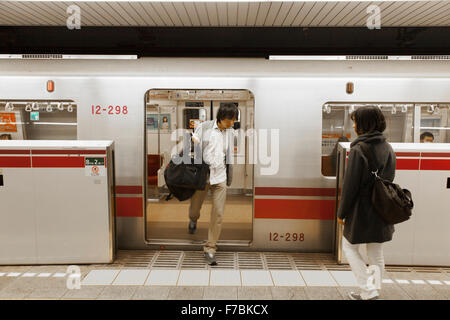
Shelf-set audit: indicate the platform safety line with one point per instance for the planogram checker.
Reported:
(32, 274)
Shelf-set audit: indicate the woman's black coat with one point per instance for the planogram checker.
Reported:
(362, 223)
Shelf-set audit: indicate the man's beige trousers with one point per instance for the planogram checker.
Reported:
(219, 193)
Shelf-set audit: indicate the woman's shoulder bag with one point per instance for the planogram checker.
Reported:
(392, 203)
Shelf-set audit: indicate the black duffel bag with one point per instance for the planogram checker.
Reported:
(183, 179)
(392, 203)
(186, 175)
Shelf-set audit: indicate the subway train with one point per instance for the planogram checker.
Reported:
(291, 115)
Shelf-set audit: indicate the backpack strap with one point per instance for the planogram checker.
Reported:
(369, 154)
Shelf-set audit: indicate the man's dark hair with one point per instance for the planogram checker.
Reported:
(227, 110)
(368, 119)
(426, 134)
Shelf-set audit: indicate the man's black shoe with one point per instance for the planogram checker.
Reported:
(211, 259)
(192, 227)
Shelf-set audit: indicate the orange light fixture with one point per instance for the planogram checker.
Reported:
(50, 86)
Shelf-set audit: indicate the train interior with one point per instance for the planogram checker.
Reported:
(405, 122)
(168, 111)
(38, 120)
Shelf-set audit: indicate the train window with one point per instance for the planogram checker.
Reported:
(435, 123)
(337, 126)
(38, 120)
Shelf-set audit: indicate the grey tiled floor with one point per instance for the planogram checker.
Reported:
(220, 293)
(151, 293)
(388, 292)
(186, 293)
(35, 287)
(288, 293)
(323, 293)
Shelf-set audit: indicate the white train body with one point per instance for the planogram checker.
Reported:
(288, 95)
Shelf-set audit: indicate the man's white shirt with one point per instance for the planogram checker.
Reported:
(215, 152)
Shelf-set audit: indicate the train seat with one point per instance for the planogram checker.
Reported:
(153, 165)
(327, 168)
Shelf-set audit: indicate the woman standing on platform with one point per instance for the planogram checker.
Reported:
(362, 225)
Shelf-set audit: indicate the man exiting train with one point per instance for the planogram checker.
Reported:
(214, 137)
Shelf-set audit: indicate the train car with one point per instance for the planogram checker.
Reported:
(291, 115)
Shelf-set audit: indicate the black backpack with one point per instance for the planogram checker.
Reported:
(392, 203)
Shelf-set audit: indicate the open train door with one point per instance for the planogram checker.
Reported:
(169, 115)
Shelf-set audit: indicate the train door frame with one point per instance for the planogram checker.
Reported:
(162, 243)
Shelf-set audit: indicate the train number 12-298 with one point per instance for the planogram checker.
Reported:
(274, 236)
(111, 110)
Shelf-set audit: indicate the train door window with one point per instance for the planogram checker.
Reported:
(184, 110)
(337, 126)
(38, 120)
(435, 123)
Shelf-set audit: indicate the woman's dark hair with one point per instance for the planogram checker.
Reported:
(368, 119)
(227, 110)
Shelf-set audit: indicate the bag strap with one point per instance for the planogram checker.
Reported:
(369, 154)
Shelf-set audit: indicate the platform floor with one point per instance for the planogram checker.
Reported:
(183, 275)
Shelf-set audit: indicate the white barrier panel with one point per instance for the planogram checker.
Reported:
(57, 202)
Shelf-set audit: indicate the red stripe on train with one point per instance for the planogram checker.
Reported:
(407, 164)
(436, 155)
(294, 209)
(68, 151)
(313, 192)
(129, 207)
(129, 189)
(58, 162)
(14, 151)
(435, 164)
(407, 154)
(15, 162)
